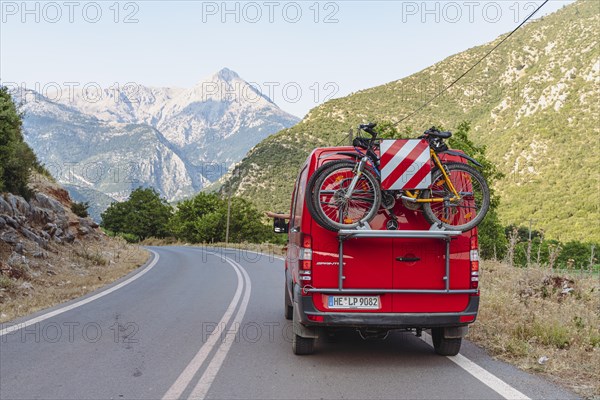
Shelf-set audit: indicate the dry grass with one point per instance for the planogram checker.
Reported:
(152, 241)
(65, 272)
(527, 314)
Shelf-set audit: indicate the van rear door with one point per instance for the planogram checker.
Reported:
(421, 264)
(367, 265)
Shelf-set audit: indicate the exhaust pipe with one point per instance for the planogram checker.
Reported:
(373, 334)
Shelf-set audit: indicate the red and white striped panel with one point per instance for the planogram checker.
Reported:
(404, 164)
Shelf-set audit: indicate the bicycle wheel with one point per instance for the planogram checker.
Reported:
(463, 214)
(332, 210)
(310, 197)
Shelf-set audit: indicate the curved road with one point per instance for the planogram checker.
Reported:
(208, 323)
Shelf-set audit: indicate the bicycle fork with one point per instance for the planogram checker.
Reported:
(357, 175)
(442, 168)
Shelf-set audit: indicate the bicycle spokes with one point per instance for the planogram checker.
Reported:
(336, 206)
(453, 210)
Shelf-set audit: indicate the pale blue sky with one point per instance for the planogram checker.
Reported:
(365, 43)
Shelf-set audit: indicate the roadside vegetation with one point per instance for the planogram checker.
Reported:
(17, 160)
(542, 320)
(201, 219)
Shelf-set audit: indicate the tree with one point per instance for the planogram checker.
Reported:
(492, 241)
(246, 222)
(145, 214)
(190, 223)
(203, 219)
(16, 157)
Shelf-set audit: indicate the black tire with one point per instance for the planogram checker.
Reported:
(461, 218)
(443, 346)
(288, 307)
(303, 346)
(369, 203)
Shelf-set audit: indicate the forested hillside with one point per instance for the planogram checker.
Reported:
(533, 103)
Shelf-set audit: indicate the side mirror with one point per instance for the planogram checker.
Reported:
(280, 225)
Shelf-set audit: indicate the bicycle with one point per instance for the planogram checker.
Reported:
(347, 193)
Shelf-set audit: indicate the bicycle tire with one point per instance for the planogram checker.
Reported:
(309, 197)
(369, 197)
(462, 176)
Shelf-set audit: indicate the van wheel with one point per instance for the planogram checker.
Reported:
(288, 308)
(303, 346)
(443, 346)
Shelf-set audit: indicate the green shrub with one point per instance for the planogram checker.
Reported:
(16, 157)
(80, 209)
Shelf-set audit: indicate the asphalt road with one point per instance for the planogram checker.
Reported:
(148, 336)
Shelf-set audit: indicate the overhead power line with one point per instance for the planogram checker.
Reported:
(472, 67)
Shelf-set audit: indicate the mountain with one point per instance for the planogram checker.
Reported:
(533, 102)
(101, 144)
(100, 161)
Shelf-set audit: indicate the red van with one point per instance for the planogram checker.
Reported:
(375, 280)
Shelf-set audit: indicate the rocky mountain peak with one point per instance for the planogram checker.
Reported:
(227, 75)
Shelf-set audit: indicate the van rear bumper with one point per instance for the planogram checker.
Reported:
(386, 320)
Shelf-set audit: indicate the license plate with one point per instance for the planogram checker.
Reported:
(354, 302)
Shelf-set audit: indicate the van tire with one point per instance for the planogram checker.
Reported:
(303, 346)
(444, 346)
(288, 307)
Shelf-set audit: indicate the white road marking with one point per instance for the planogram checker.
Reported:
(176, 390)
(486, 377)
(80, 303)
(205, 382)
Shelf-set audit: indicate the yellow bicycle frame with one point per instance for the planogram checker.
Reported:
(438, 163)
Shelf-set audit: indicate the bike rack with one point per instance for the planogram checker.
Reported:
(346, 234)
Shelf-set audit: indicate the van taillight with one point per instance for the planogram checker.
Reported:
(474, 258)
(305, 261)
(306, 241)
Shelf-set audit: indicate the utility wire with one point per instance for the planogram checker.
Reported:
(472, 67)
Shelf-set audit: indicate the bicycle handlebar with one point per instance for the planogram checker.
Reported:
(431, 132)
